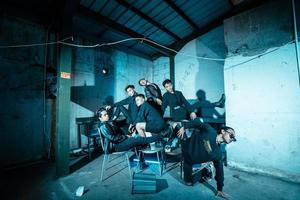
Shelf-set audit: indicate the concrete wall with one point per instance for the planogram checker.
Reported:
(21, 86)
(263, 93)
(92, 89)
(22, 95)
(192, 74)
(161, 71)
(129, 69)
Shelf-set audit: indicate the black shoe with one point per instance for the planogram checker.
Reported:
(221, 102)
(168, 132)
(142, 166)
(188, 183)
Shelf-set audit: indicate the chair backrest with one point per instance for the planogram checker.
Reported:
(105, 144)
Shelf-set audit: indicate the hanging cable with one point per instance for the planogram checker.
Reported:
(142, 40)
(296, 39)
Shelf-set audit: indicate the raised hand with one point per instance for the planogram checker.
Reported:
(222, 195)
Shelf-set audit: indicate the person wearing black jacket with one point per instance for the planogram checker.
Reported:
(203, 145)
(113, 134)
(152, 93)
(131, 112)
(148, 119)
(180, 108)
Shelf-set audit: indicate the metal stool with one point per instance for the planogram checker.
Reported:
(157, 149)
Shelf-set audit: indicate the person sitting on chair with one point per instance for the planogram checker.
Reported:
(202, 146)
(152, 93)
(131, 112)
(114, 135)
(148, 119)
(179, 106)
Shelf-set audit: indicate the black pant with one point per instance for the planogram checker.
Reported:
(218, 164)
(156, 106)
(126, 113)
(136, 141)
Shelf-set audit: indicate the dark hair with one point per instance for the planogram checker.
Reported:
(141, 80)
(227, 128)
(167, 81)
(129, 86)
(99, 111)
(140, 95)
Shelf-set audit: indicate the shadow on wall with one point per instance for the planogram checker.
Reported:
(102, 91)
(210, 75)
(206, 108)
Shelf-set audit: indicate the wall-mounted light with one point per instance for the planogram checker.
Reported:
(104, 71)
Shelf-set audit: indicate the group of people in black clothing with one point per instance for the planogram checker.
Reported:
(199, 141)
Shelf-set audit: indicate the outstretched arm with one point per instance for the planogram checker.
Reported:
(197, 123)
(187, 105)
(165, 104)
(185, 102)
(106, 132)
(122, 102)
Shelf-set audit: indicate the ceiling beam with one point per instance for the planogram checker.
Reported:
(182, 14)
(93, 38)
(102, 20)
(242, 7)
(147, 18)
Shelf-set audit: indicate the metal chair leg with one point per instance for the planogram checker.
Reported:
(128, 163)
(103, 166)
(138, 156)
(164, 158)
(159, 162)
(181, 163)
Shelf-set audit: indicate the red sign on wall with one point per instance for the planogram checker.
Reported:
(65, 75)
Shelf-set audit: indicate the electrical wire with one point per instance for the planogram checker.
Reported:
(35, 44)
(141, 40)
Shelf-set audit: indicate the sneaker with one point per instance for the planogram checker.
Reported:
(142, 166)
(189, 183)
(221, 102)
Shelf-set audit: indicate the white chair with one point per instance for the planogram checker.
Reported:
(154, 149)
(106, 147)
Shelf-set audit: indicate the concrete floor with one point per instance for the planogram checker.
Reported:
(39, 182)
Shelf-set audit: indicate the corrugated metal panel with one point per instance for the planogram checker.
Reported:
(180, 28)
(150, 30)
(98, 4)
(109, 8)
(117, 12)
(210, 18)
(151, 6)
(138, 4)
(142, 26)
(125, 17)
(86, 3)
(201, 12)
(114, 36)
(161, 38)
(133, 21)
(140, 47)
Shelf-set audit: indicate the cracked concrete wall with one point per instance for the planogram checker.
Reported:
(193, 75)
(263, 92)
(92, 89)
(22, 94)
(21, 86)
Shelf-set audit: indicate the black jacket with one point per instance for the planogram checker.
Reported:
(132, 107)
(202, 147)
(174, 100)
(111, 133)
(152, 91)
(148, 114)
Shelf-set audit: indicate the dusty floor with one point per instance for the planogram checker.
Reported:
(39, 182)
